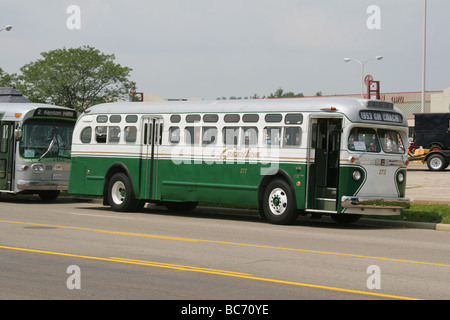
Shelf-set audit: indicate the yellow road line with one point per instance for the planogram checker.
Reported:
(103, 231)
(210, 271)
(177, 266)
(230, 243)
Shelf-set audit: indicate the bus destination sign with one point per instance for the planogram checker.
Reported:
(381, 116)
(60, 113)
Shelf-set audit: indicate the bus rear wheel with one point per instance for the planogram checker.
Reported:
(279, 203)
(120, 194)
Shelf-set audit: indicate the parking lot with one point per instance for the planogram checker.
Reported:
(425, 186)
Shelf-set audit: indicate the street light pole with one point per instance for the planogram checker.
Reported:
(362, 63)
(424, 61)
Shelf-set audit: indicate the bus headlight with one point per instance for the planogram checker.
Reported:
(38, 167)
(400, 177)
(356, 175)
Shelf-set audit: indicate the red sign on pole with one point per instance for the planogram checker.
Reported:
(368, 80)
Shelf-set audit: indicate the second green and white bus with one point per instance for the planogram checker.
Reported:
(35, 148)
(342, 157)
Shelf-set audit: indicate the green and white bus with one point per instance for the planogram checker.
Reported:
(35, 148)
(324, 156)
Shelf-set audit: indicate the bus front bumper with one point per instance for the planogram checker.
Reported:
(42, 185)
(375, 202)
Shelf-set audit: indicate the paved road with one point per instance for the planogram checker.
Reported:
(156, 255)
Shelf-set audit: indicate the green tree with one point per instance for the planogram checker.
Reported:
(76, 78)
(279, 93)
(7, 80)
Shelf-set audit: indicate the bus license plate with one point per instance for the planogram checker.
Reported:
(57, 176)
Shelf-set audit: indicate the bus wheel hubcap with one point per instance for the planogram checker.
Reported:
(118, 192)
(277, 201)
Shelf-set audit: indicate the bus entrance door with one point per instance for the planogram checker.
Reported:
(323, 164)
(6, 155)
(151, 141)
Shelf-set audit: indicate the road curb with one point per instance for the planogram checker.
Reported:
(400, 223)
(442, 227)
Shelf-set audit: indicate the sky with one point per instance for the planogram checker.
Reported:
(224, 48)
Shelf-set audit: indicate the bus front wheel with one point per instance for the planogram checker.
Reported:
(120, 193)
(279, 203)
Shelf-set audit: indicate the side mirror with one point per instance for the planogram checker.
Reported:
(18, 133)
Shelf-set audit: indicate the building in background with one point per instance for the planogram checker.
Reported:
(12, 95)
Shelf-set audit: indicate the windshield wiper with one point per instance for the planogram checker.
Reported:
(49, 148)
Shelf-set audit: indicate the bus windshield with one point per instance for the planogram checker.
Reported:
(371, 140)
(46, 138)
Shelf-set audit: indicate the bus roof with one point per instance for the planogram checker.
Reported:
(19, 111)
(351, 107)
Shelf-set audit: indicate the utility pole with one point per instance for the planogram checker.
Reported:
(424, 55)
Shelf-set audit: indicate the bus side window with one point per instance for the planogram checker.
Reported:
(115, 118)
(175, 118)
(250, 136)
(210, 118)
(114, 134)
(102, 119)
(192, 135)
(193, 118)
(100, 134)
(130, 134)
(131, 118)
(292, 136)
(293, 118)
(230, 136)
(174, 135)
(252, 117)
(272, 136)
(86, 135)
(231, 118)
(209, 136)
(273, 117)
